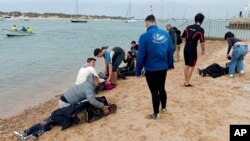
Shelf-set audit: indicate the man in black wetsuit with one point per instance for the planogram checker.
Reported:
(192, 34)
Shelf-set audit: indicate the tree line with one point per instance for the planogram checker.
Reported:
(58, 15)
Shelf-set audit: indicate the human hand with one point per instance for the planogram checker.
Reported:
(106, 110)
(108, 81)
(227, 55)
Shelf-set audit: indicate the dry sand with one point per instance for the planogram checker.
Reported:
(201, 113)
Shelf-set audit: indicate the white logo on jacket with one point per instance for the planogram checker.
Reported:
(159, 38)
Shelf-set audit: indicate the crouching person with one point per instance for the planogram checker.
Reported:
(85, 90)
(82, 112)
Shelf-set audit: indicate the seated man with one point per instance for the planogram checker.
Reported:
(85, 90)
(129, 69)
(85, 70)
(74, 114)
(23, 29)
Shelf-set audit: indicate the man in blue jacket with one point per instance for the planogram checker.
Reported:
(155, 55)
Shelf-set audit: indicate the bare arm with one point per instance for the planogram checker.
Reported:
(110, 71)
(203, 48)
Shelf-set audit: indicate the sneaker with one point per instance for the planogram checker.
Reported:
(231, 75)
(163, 110)
(153, 116)
(242, 72)
(21, 136)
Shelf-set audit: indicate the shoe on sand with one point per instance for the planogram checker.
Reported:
(153, 116)
(163, 110)
(231, 76)
(242, 72)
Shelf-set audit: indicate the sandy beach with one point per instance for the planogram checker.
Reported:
(201, 113)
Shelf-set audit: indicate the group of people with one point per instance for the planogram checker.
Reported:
(154, 56)
(24, 29)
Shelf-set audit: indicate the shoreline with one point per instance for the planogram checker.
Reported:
(206, 110)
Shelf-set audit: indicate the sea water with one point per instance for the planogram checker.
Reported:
(34, 69)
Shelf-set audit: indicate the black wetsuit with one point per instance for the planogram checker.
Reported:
(192, 33)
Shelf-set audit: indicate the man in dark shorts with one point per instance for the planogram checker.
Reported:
(192, 34)
(113, 58)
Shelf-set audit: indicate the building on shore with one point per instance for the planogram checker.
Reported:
(241, 22)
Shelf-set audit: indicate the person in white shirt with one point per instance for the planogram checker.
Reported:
(85, 70)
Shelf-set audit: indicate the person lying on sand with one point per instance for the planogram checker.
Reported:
(82, 112)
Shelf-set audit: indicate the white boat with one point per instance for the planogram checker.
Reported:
(129, 18)
(131, 21)
(27, 18)
(76, 18)
(16, 33)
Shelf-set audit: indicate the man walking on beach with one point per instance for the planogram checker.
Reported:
(172, 33)
(155, 54)
(192, 34)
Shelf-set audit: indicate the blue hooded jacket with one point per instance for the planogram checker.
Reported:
(155, 50)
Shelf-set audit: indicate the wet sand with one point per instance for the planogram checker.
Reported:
(201, 113)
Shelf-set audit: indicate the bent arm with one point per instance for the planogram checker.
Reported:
(91, 98)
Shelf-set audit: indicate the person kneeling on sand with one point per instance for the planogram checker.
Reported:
(129, 69)
(239, 51)
(82, 112)
(85, 90)
(85, 70)
(113, 58)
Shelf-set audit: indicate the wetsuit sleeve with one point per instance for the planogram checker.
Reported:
(108, 57)
(184, 34)
(202, 38)
(230, 45)
(170, 53)
(140, 56)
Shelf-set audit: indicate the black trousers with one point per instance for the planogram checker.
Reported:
(156, 83)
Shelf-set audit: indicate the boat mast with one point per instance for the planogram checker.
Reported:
(76, 9)
(129, 10)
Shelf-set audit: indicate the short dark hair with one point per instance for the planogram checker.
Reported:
(199, 18)
(228, 35)
(133, 42)
(90, 59)
(97, 51)
(150, 18)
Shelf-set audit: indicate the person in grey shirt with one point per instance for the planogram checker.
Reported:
(83, 91)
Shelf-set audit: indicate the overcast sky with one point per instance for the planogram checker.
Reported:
(140, 8)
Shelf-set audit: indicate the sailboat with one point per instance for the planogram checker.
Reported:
(76, 18)
(129, 18)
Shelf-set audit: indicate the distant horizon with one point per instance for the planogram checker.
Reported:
(162, 9)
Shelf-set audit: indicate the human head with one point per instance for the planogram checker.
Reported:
(228, 35)
(168, 26)
(91, 62)
(129, 54)
(199, 18)
(133, 43)
(99, 52)
(150, 20)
